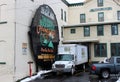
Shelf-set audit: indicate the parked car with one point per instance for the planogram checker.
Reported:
(105, 69)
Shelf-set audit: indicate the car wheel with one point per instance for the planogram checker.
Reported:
(105, 74)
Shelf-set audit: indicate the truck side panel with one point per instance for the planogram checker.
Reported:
(81, 55)
(66, 49)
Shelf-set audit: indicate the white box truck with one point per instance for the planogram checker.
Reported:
(69, 56)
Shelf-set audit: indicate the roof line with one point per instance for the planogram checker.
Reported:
(91, 24)
(65, 2)
(73, 4)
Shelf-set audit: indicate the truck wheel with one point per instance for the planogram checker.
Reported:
(72, 71)
(105, 74)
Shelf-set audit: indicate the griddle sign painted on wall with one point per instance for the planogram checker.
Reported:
(44, 35)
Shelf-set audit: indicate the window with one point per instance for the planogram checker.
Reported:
(87, 31)
(73, 31)
(61, 14)
(100, 3)
(115, 49)
(118, 14)
(65, 16)
(3, 12)
(118, 60)
(82, 18)
(100, 30)
(114, 29)
(62, 32)
(100, 50)
(100, 16)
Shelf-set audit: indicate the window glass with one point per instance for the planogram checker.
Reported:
(87, 31)
(100, 3)
(118, 60)
(72, 31)
(100, 30)
(62, 14)
(65, 16)
(114, 29)
(115, 49)
(100, 16)
(82, 18)
(111, 60)
(100, 50)
(118, 14)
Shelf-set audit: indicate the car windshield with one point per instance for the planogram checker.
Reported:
(65, 57)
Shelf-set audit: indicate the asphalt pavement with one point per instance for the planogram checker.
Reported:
(78, 77)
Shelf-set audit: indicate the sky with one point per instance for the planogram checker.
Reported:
(75, 1)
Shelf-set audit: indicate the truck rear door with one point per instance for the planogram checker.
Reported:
(117, 65)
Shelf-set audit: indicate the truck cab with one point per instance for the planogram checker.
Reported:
(64, 63)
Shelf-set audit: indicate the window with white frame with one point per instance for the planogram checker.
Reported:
(3, 12)
(82, 18)
(86, 31)
(114, 29)
(65, 16)
(61, 14)
(101, 16)
(118, 15)
(100, 3)
(100, 50)
(72, 31)
(100, 30)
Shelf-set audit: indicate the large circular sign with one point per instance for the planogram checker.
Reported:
(44, 36)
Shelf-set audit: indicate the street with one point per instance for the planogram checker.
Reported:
(78, 77)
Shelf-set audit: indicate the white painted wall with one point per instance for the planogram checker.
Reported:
(17, 15)
(25, 11)
(7, 15)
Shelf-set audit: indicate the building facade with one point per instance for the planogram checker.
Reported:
(96, 24)
(15, 20)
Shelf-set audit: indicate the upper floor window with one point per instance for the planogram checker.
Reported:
(3, 13)
(65, 16)
(100, 30)
(114, 29)
(100, 3)
(86, 31)
(82, 18)
(62, 33)
(61, 14)
(101, 16)
(72, 31)
(118, 15)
